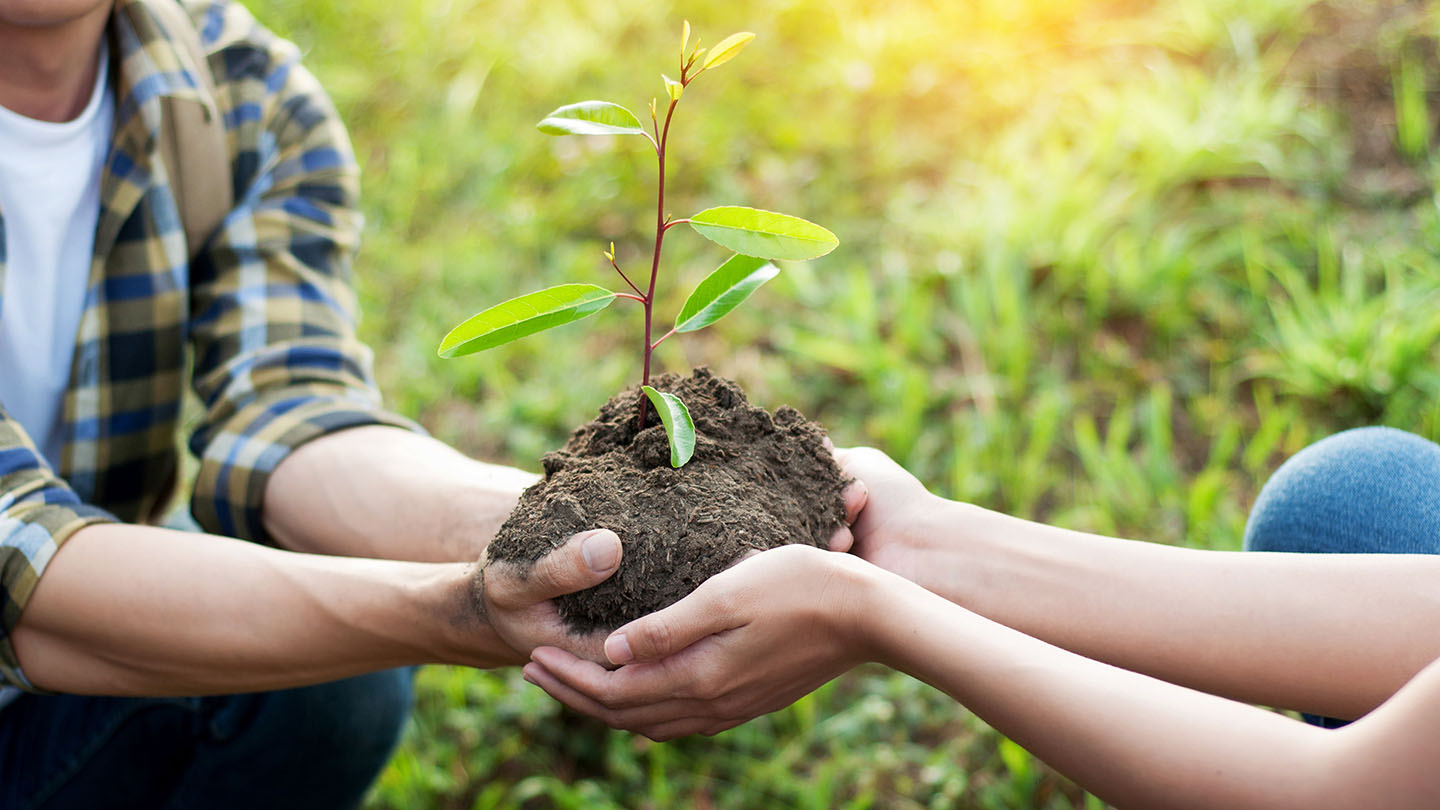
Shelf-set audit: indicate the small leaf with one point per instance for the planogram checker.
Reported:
(591, 118)
(723, 290)
(679, 429)
(674, 88)
(763, 234)
(684, 38)
(699, 52)
(727, 49)
(526, 315)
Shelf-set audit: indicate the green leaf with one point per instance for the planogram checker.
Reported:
(723, 290)
(764, 234)
(684, 38)
(591, 118)
(526, 315)
(674, 88)
(727, 49)
(679, 429)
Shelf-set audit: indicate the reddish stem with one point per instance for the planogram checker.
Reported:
(631, 297)
(627, 278)
(660, 225)
(661, 339)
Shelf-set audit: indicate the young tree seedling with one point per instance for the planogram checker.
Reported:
(756, 237)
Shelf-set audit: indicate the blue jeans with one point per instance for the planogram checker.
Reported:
(1369, 490)
(313, 748)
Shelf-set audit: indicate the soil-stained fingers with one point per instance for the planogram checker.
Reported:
(585, 560)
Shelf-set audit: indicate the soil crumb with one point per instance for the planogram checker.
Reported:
(756, 481)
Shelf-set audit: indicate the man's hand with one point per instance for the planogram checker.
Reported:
(748, 641)
(518, 604)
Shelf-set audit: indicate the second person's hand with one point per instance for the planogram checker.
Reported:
(899, 526)
(749, 641)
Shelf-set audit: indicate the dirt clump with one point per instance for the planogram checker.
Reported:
(756, 481)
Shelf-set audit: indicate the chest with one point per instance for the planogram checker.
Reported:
(108, 332)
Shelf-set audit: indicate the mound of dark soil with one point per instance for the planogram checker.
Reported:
(756, 481)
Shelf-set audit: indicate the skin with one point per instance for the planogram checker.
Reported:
(187, 614)
(50, 55)
(1122, 664)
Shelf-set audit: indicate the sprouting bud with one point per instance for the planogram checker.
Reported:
(610, 254)
(673, 88)
(684, 38)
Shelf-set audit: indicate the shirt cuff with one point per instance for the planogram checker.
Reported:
(35, 520)
(238, 461)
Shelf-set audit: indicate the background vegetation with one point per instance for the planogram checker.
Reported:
(1104, 263)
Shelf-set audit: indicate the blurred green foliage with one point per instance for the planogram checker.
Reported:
(1103, 263)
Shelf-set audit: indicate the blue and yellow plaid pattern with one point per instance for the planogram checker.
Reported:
(261, 323)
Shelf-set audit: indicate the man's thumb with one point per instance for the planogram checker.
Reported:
(585, 560)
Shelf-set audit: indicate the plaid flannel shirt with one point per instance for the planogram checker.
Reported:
(261, 322)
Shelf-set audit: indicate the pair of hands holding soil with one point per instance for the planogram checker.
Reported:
(749, 641)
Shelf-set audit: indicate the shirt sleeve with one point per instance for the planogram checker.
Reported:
(38, 513)
(277, 360)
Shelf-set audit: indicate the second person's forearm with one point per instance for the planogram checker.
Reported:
(1327, 634)
(1133, 740)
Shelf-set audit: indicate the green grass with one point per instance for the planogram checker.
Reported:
(1102, 263)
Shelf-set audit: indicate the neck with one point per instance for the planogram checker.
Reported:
(48, 65)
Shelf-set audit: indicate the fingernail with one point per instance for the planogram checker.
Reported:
(525, 673)
(617, 649)
(601, 550)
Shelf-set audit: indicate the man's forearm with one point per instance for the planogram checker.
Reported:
(1327, 634)
(135, 610)
(385, 492)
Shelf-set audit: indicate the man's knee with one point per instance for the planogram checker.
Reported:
(1366, 490)
(313, 748)
(357, 720)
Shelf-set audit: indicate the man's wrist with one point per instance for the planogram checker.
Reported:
(464, 634)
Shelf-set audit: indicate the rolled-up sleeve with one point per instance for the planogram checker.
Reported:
(38, 513)
(277, 360)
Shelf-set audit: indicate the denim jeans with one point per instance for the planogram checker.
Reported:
(1369, 490)
(312, 748)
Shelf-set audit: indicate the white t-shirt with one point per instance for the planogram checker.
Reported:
(50, 202)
